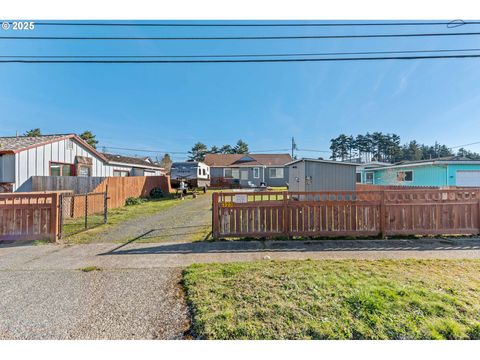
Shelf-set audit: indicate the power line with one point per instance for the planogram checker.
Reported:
(233, 55)
(296, 37)
(458, 56)
(459, 146)
(180, 152)
(450, 24)
(313, 150)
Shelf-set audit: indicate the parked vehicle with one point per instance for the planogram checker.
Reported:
(196, 175)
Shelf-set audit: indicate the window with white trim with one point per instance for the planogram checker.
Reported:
(405, 175)
(256, 173)
(275, 173)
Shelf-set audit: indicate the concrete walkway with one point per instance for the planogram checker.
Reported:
(174, 254)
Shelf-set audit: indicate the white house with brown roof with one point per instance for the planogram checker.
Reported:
(248, 170)
(22, 157)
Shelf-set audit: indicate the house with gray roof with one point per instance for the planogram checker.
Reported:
(22, 157)
(248, 170)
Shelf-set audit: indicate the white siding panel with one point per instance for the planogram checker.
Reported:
(61, 151)
(31, 162)
(40, 166)
(54, 153)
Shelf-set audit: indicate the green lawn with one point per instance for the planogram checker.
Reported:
(115, 217)
(346, 299)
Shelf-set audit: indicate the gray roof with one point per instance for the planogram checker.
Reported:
(323, 161)
(130, 160)
(235, 160)
(16, 143)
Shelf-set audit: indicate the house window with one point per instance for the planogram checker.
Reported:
(275, 173)
(369, 177)
(83, 171)
(359, 178)
(230, 173)
(120, 173)
(256, 173)
(405, 175)
(60, 169)
(204, 171)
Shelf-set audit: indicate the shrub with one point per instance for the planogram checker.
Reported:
(156, 193)
(134, 201)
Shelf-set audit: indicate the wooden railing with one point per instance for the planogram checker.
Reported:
(29, 216)
(343, 213)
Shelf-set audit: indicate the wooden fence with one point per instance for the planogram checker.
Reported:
(343, 213)
(120, 188)
(29, 216)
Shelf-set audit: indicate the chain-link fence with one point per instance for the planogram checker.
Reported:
(79, 212)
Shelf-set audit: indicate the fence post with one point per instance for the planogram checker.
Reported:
(382, 215)
(54, 223)
(60, 226)
(478, 211)
(105, 205)
(86, 211)
(215, 225)
(286, 218)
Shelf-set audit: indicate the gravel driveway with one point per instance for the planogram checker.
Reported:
(186, 221)
(107, 304)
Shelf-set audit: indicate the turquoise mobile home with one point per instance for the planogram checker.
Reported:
(452, 171)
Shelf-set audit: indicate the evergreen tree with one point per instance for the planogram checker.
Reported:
(214, 150)
(198, 151)
(89, 138)
(33, 133)
(241, 147)
(227, 149)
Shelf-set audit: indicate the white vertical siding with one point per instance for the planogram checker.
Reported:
(36, 161)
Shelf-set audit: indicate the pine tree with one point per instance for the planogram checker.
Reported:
(33, 133)
(198, 151)
(89, 138)
(241, 147)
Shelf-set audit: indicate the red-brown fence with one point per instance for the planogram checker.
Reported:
(343, 213)
(29, 216)
(121, 188)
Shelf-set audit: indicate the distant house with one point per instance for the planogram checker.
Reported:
(364, 175)
(448, 171)
(133, 166)
(22, 157)
(248, 170)
(321, 175)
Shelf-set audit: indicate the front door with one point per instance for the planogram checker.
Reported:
(244, 177)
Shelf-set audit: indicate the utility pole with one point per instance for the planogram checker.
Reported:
(294, 147)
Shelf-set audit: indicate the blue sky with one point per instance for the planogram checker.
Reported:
(171, 106)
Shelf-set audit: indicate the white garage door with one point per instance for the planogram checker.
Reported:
(468, 178)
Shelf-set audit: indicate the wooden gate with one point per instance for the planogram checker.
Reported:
(29, 216)
(343, 213)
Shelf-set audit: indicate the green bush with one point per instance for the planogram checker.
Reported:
(134, 201)
(156, 193)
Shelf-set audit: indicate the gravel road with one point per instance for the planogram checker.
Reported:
(107, 304)
(184, 222)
